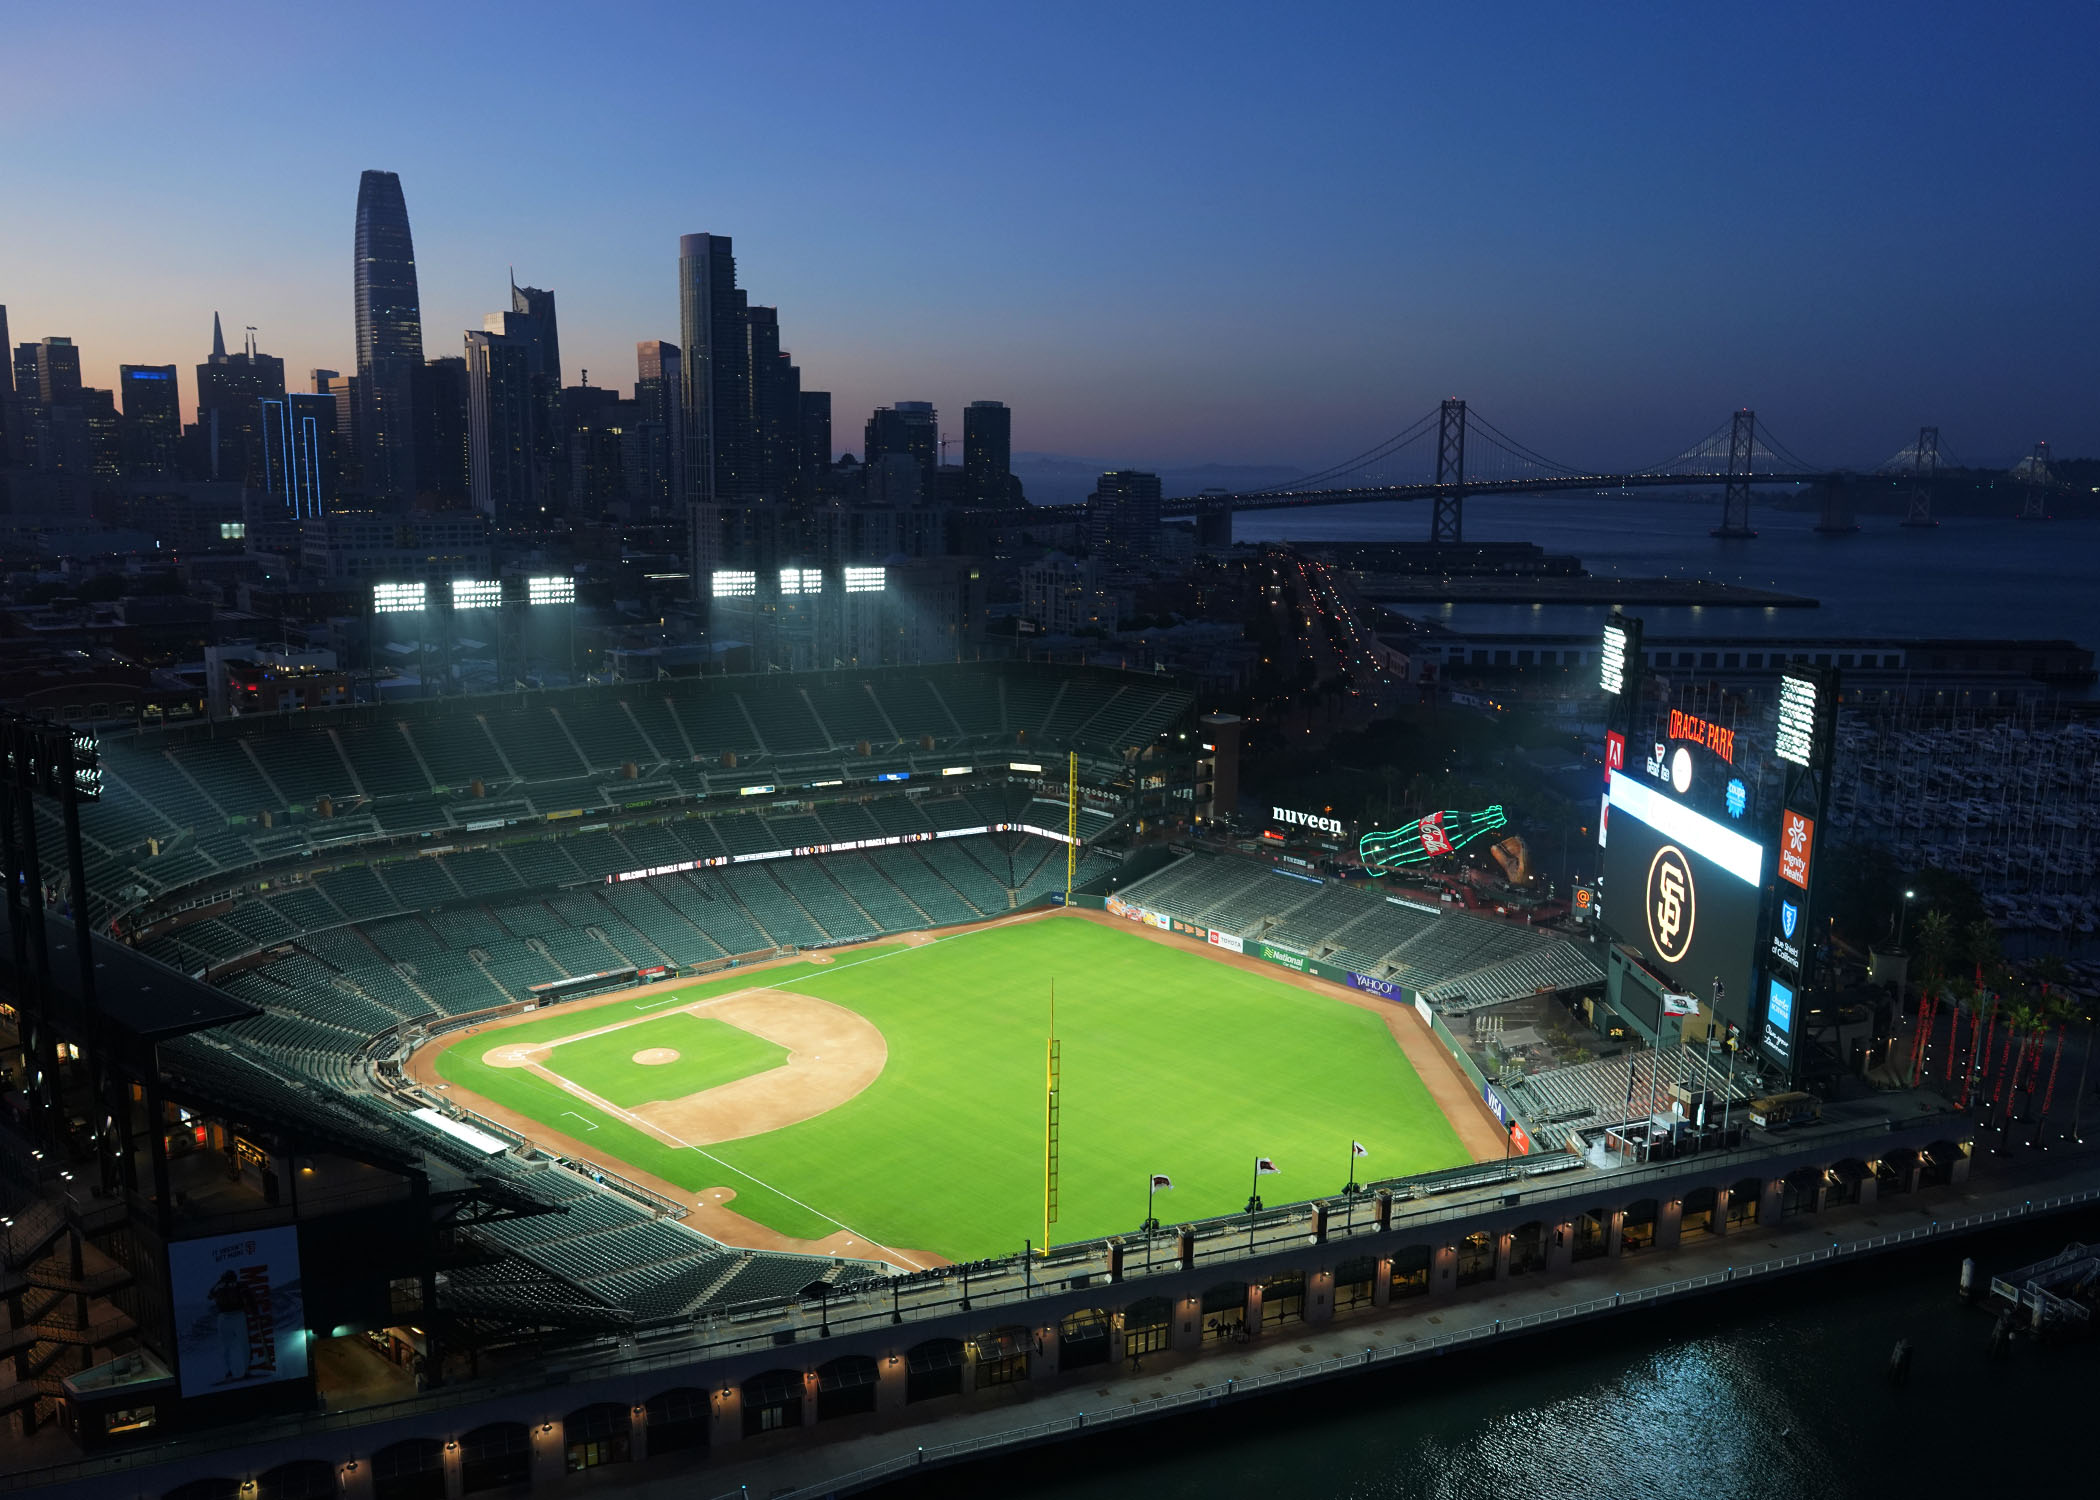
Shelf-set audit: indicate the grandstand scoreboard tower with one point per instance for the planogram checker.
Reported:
(1804, 740)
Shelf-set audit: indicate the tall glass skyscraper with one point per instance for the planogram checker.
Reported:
(717, 371)
(389, 337)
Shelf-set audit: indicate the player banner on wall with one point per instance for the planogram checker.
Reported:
(239, 1310)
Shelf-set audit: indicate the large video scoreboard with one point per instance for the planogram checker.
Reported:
(1686, 891)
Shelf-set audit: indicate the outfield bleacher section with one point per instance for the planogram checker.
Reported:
(1453, 959)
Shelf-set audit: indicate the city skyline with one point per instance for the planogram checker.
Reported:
(1122, 224)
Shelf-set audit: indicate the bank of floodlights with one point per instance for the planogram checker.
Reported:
(1613, 660)
(477, 593)
(800, 581)
(733, 583)
(867, 580)
(1794, 739)
(398, 598)
(556, 589)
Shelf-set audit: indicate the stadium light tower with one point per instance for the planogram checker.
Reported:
(398, 599)
(556, 588)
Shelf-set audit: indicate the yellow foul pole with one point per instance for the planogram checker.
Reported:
(1071, 822)
(1050, 1125)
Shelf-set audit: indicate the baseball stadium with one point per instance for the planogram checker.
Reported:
(421, 1052)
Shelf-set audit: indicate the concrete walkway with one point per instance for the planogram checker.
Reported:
(813, 1459)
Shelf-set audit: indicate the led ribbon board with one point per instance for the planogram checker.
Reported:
(1427, 837)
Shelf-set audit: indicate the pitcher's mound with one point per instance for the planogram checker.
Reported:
(652, 1057)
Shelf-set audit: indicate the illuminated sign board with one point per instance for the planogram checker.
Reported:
(754, 791)
(1313, 821)
(1612, 661)
(1686, 891)
(1797, 836)
(957, 770)
(1786, 942)
(1023, 765)
(893, 775)
(550, 590)
(1778, 1039)
(397, 598)
(1795, 738)
(476, 593)
(1428, 837)
(1614, 751)
(1684, 726)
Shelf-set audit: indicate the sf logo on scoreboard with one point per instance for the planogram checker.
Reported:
(1672, 904)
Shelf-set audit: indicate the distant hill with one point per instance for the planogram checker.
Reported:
(1060, 479)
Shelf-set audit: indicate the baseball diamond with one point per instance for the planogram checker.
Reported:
(888, 1101)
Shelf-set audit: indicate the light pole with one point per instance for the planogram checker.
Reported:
(1903, 918)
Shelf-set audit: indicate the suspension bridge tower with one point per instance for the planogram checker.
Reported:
(2035, 483)
(1735, 499)
(1447, 523)
(1924, 470)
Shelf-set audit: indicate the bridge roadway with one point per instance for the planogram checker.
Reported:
(1196, 505)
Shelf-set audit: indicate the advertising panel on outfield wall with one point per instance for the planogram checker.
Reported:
(239, 1310)
(1685, 891)
(1230, 941)
(1284, 956)
(1377, 986)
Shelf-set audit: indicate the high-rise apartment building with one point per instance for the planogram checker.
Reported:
(716, 371)
(776, 415)
(342, 390)
(230, 392)
(988, 452)
(550, 428)
(389, 338)
(7, 395)
(151, 427)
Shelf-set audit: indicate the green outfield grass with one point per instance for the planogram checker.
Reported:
(710, 1053)
(1172, 1062)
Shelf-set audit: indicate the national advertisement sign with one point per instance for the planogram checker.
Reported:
(1284, 956)
(1231, 942)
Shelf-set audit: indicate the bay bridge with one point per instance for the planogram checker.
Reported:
(1453, 453)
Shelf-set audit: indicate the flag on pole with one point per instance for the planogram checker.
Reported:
(1356, 1148)
(1162, 1180)
(1263, 1167)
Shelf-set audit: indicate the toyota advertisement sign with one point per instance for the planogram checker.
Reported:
(1685, 891)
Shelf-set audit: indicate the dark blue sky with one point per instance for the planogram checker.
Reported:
(1219, 232)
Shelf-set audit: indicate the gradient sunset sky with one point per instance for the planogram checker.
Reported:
(1243, 234)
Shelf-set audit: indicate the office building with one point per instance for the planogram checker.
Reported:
(657, 438)
(299, 451)
(342, 390)
(776, 387)
(389, 338)
(230, 391)
(895, 480)
(499, 424)
(909, 427)
(57, 371)
(815, 409)
(442, 463)
(355, 546)
(988, 453)
(151, 427)
(595, 421)
(1066, 596)
(1123, 515)
(532, 319)
(7, 398)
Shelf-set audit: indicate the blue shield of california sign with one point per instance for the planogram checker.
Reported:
(1789, 918)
